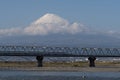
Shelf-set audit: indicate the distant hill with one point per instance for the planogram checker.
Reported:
(67, 40)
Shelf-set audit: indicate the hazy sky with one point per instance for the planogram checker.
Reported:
(98, 14)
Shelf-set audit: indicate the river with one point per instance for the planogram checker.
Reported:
(58, 75)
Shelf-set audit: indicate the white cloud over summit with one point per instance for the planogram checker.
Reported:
(47, 24)
(51, 23)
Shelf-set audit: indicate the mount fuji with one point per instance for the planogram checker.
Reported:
(53, 30)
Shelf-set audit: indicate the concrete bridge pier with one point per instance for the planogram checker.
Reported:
(92, 61)
(39, 60)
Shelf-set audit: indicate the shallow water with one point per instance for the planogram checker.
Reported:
(38, 75)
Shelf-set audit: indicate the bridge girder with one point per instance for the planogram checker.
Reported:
(58, 51)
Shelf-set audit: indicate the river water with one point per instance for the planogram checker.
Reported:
(45, 75)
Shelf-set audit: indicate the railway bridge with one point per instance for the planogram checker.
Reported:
(41, 51)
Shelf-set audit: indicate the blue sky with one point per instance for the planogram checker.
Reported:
(98, 14)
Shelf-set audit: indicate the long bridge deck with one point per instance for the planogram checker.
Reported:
(41, 52)
(58, 51)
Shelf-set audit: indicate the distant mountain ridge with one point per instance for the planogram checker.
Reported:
(65, 40)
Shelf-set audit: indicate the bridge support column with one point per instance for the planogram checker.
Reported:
(39, 60)
(91, 61)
